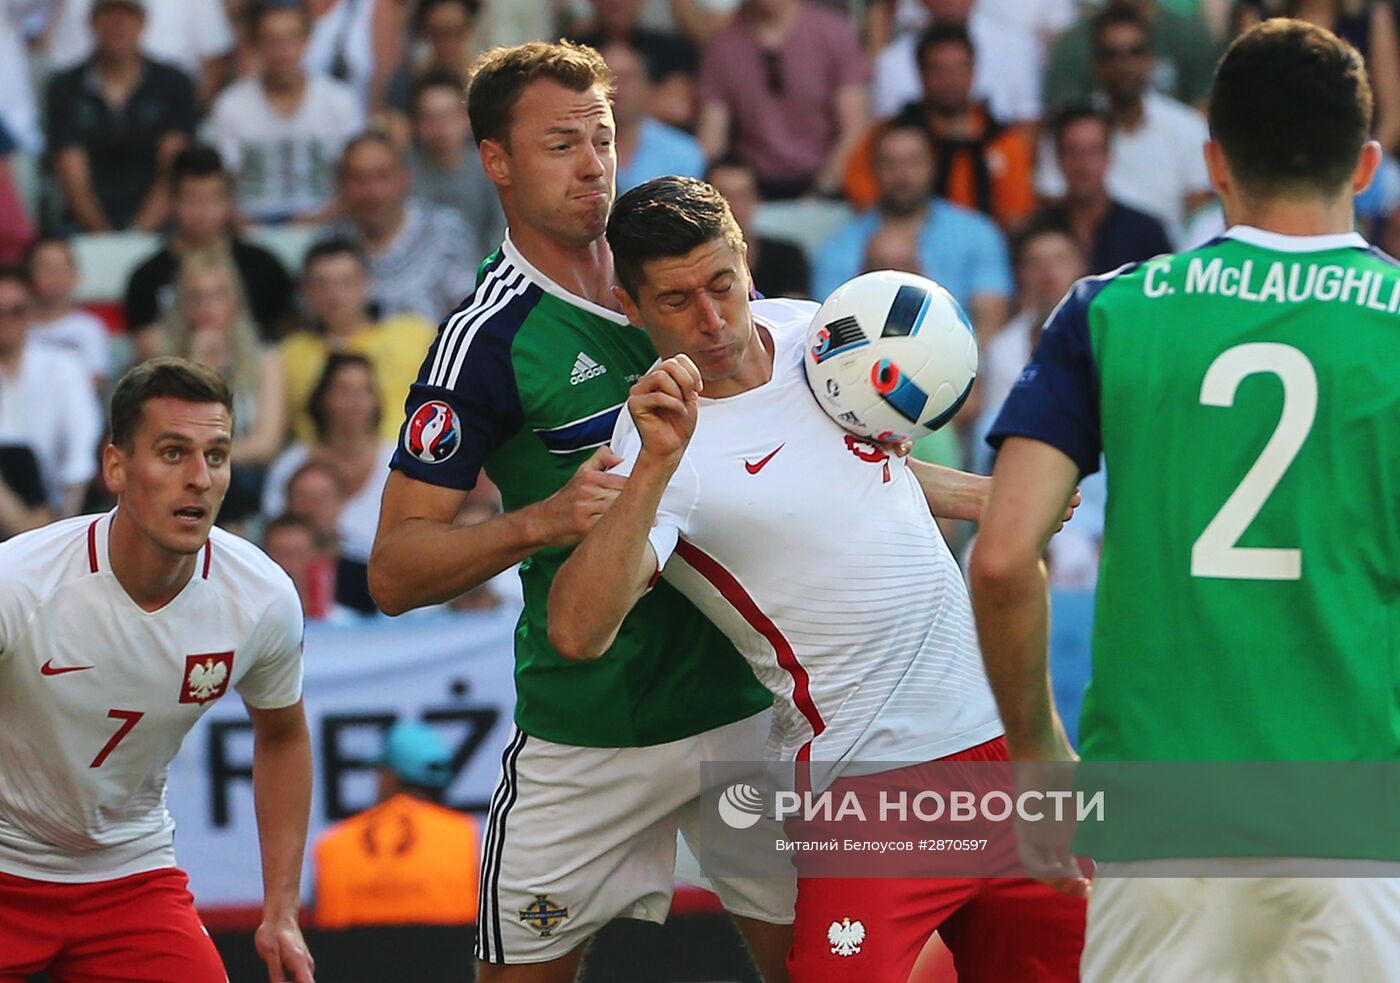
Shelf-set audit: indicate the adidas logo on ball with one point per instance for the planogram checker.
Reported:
(584, 369)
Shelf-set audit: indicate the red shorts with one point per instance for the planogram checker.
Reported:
(137, 929)
(999, 929)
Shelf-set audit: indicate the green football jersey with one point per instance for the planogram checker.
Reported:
(526, 381)
(1245, 398)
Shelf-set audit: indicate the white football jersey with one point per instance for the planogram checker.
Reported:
(815, 552)
(97, 694)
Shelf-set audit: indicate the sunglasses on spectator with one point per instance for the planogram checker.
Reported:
(1106, 53)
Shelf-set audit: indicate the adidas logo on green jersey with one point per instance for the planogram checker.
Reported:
(584, 369)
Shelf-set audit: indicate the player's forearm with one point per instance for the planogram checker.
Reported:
(419, 561)
(1011, 604)
(608, 572)
(282, 800)
(952, 494)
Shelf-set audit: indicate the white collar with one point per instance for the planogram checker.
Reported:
(512, 254)
(1281, 243)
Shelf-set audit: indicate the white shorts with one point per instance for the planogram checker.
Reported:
(1241, 929)
(578, 836)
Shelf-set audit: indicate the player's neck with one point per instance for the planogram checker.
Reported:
(585, 271)
(150, 575)
(1313, 217)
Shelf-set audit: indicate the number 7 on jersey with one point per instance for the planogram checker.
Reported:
(129, 719)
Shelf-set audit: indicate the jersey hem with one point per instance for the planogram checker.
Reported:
(667, 737)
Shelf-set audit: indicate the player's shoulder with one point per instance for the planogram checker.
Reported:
(493, 314)
(246, 574)
(35, 562)
(787, 319)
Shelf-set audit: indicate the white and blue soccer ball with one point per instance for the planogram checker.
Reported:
(891, 356)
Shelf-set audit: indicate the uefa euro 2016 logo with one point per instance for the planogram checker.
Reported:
(433, 434)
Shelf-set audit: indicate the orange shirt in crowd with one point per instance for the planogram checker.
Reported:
(992, 172)
(405, 861)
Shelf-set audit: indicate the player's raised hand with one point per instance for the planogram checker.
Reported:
(665, 404)
(570, 512)
(282, 948)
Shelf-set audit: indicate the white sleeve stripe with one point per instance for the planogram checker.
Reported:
(501, 278)
(517, 289)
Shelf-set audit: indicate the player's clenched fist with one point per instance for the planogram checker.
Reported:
(664, 404)
(574, 509)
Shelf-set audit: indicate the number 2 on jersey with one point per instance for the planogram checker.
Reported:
(129, 719)
(1215, 553)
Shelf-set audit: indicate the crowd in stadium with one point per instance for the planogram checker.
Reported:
(1003, 148)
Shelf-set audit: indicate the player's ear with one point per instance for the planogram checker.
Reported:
(629, 306)
(114, 469)
(1218, 168)
(1366, 166)
(496, 162)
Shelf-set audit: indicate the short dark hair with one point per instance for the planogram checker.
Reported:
(31, 251)
(1039, 228)
(1070, 115)
(333, 246)
(502, 74)
(903, 124)
(1113, 16)
(376, 137)
(176, 378)
(196, 161)
(666, 217)
(729, 162)
(16, 274)
(316, 402)
(435, 79)
(940, 34)
(1291, 109)
(260, 11)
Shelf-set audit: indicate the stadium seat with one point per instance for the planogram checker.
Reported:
(105, 261)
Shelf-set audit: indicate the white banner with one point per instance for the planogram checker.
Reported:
(454, 671)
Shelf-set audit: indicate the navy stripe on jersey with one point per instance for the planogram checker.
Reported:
(1056, 399)
(469, 372)
(591, 431)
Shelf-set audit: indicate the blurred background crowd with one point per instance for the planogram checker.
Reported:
(289, 192)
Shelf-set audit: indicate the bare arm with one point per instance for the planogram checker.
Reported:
(850, 128)
(1385, 74)
(420, 557)
(1031, 488)
(712, 129)
(15, 516)
(387, 29)
(282, 797)
(952, 494)
(270, 431)
(75, 178)
(156, 207)
(610, 570)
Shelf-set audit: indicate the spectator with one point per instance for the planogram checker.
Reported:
(53, 276)
(446, 167)
(335, 283)
(409, 860)
(1156, 160)
(19, 112)
(422, 257)
(316, 496)
(115, 122)
(1109, 232)
(779, 268)
(982, 163)
(1007, 76)
(282, 130)
(1370, 25)
(445, 31)
(347, 415)
(961, 249)
(1183, 56)
(209, 323)
(671, 60)
(194, 36)
(293, 546)
(48, 410)
(646, 147)
(359, 42)
(202, 210)
(783, 87)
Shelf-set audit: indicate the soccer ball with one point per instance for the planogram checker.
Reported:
(891, 356)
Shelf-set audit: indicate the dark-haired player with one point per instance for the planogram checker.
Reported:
(117, 632)
(1245, 399)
